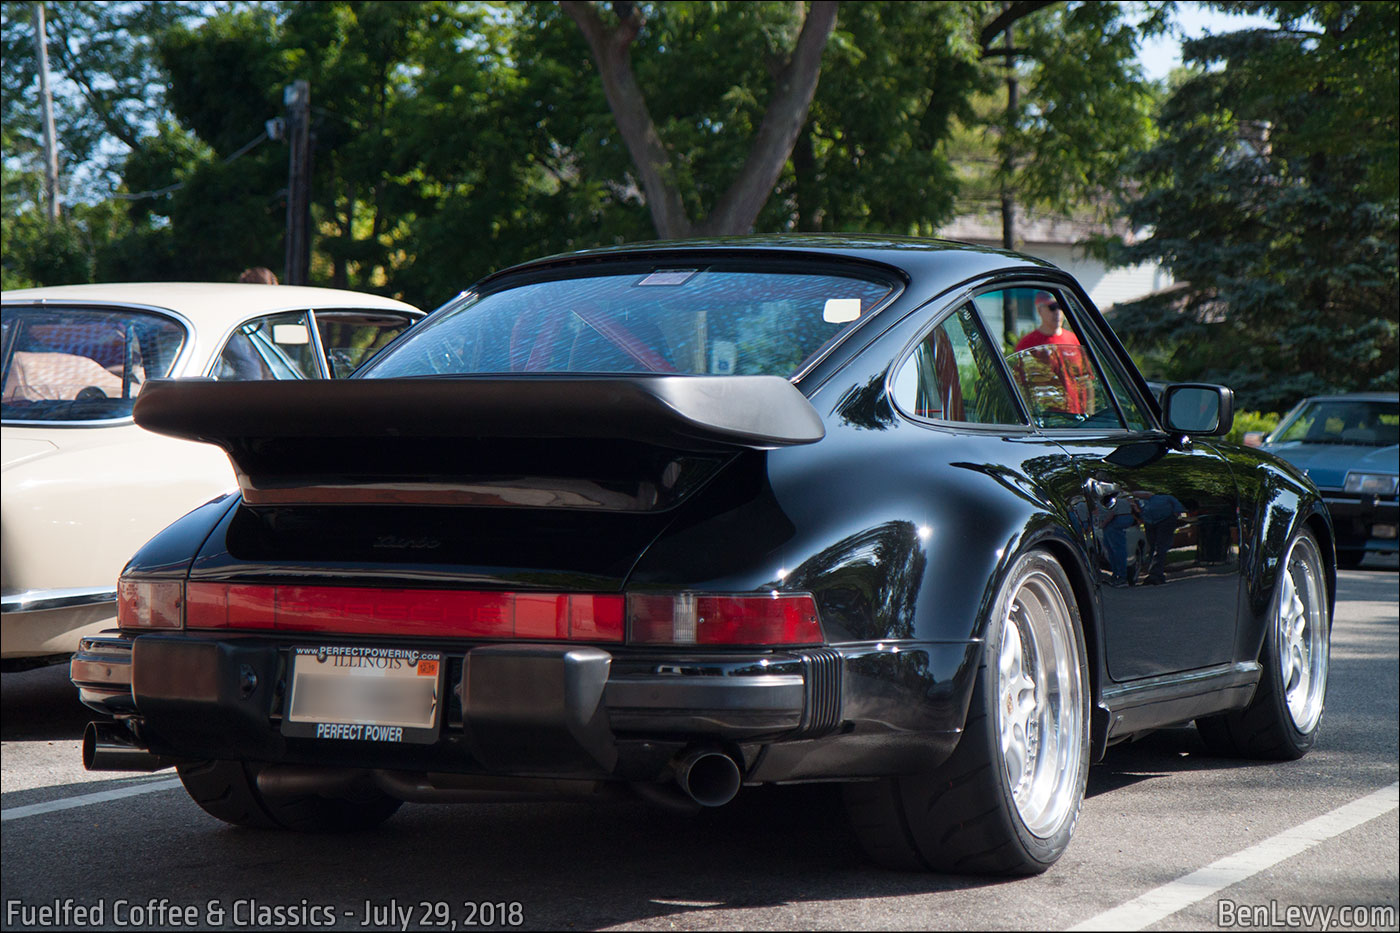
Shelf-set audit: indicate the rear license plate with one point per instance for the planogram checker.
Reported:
(364, 694)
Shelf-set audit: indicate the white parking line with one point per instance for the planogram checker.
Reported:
(1147, 909)
(83, 800)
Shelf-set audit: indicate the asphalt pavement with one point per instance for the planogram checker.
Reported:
(1170, 838)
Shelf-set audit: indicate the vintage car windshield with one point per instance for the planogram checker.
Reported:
(82, 364)
(1360, 422)
(694, 320)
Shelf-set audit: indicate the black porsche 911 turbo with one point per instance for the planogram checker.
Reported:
(668, 520)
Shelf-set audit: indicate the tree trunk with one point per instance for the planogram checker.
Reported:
(612, 53)
(787, 111)
(739, 206)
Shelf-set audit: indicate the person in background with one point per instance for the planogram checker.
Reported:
(258, 275)
(1059, 350)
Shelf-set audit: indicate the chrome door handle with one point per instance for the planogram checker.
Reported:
(1105, 492)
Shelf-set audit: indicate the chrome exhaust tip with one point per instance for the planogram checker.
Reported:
(107, 747)
(709, 777)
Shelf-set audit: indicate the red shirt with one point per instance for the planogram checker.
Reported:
(1066, 360)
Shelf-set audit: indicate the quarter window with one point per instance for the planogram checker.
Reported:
(952, 375)
(274, 347)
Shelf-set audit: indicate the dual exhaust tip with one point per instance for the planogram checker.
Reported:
(708, 776)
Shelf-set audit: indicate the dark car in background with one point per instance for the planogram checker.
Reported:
(669, 520)
(1349, 445)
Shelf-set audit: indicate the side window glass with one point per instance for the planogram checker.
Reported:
(952, 375)
(351, 337)
(1128, 406)
(274, 347)
(1048, 362)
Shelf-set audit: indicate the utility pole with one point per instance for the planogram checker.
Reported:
(41, 38)
(297, 97)
(1008, 168)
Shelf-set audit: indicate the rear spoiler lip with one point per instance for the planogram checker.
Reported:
(696, 413)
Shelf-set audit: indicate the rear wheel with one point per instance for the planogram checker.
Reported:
(229, 791)
(1282, 721)
(1007, 800)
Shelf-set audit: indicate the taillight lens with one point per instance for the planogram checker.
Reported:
(375, 611)
(143, 604)
(671, 619)
(706, 619)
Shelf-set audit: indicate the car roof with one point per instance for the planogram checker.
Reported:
(930, 261)
(1355, 397)
(216, 304)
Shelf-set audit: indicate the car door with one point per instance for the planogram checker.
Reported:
(1161, 522)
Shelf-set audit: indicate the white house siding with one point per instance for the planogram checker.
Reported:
(1052, 238)
(1106, 287)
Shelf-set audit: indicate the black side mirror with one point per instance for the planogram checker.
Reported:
(1196, 409)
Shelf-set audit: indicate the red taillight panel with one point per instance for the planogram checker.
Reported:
(142, 604)
(375, 611)
(697, 619)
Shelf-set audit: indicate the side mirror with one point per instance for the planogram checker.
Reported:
(1198, 410)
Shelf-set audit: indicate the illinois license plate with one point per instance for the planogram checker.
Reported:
(354, 693)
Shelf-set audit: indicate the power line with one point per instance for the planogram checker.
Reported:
(161, 192)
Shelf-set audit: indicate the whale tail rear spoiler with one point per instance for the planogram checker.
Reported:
(462, 440)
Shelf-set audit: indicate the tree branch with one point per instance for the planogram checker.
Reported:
(611, 48)
(93, 97)
(782, 122)
(1016, 11)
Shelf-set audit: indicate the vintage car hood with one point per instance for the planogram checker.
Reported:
(1328, 464)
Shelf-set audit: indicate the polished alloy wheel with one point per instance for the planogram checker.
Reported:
(1040, 704)
(1300, 625)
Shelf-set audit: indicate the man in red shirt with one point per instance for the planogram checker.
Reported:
(1066, 386)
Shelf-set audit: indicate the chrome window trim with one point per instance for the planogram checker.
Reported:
(951, 307)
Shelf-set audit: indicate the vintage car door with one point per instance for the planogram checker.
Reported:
(1159, 517)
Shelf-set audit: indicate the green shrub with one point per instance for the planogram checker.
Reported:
(1246, 421)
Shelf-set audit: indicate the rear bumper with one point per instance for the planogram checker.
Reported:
(560, 710)
(51, 622)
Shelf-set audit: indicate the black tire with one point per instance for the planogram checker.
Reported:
(229, 791)
(1350, 560)
(1267, 729)
(963, 817)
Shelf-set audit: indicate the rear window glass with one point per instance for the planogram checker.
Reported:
(692, 320)
(82, 364)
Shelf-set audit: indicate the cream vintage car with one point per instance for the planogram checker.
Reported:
(84, 487)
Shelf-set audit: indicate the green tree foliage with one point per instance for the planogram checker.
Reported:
(1265, 202)
(109, 87)
(1085, 109)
